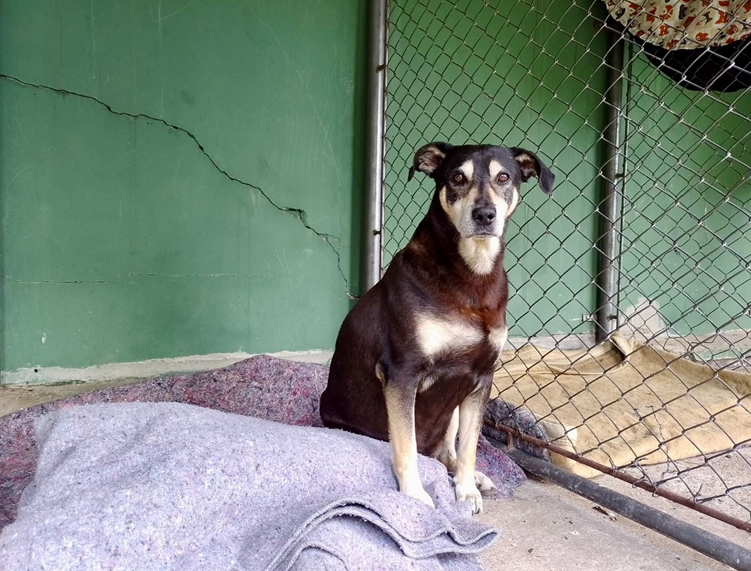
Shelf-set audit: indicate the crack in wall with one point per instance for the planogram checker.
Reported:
(65, 282)
(298, 213)
(14, 280)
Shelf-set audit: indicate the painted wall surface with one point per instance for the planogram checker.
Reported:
(687, 224)
(177, 178)
(180, 179)
(525, 74)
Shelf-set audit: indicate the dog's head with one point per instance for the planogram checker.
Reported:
(478, 185)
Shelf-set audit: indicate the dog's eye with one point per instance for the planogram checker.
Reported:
(503, 177)
(458, 178)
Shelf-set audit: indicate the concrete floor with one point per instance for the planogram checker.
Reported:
(543, 527)
(546, 528)
(13, 398)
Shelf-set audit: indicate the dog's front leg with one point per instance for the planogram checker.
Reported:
(400, 406)
(470, 423)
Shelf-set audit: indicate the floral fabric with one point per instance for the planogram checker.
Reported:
(684, 24)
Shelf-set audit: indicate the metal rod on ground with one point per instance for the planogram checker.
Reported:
(634, 481)
(702, 541)
(607, 312)
(372, 209)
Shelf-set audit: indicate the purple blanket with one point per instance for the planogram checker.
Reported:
(263, 387)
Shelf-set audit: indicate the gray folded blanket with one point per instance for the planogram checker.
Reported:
(261, 386)
(175, 486)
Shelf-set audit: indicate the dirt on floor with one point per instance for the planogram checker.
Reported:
(17, 397)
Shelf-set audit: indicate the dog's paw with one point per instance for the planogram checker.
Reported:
(420, 495)
(469, 493)
(447, 458)
(483, 483)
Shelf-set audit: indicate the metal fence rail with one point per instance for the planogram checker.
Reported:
(629, 311)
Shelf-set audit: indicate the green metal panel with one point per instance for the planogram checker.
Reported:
(526, 74)
(125, 239)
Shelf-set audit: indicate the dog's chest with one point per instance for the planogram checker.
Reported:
(437, 336)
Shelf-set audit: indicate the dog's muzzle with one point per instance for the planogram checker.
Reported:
(484, 219)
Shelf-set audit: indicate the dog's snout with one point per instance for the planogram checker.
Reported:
(484, 215)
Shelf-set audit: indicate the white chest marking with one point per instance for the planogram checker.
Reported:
(436, 335)
(480, 253)
(497, 338)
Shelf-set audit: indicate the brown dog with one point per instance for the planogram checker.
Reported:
(414, 358)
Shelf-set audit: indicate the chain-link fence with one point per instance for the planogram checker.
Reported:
(666, 396)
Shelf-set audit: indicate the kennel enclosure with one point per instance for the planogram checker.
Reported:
(630, 287)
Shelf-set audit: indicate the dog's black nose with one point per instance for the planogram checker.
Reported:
(484, 215)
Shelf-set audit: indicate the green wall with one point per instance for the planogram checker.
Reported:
(182, 178)
(179, 179)
(688, 203)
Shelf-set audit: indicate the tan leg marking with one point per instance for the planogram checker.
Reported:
(470, 422)
(446, 453)
(400, 406)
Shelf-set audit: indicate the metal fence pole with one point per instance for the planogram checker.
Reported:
(373, 207)
(607, 313)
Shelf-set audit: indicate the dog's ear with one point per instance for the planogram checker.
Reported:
(429, 158)
(532, 166)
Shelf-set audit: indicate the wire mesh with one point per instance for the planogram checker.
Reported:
(667, 396)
